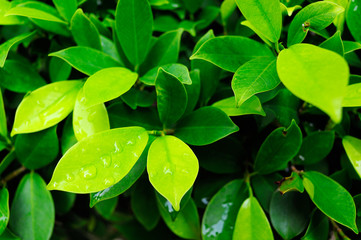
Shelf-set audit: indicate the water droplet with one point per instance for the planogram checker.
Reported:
(89, 172)
(83, 100)
(116, 165)
(167, 171)
(55, 184)
(130, 143)
(135, 155)
(92, 116)
(27, 123)
(69, 177)
(106, 160)
(301, 157)
(83, 149)
(40, 104)
(108, 181)
(118, 148)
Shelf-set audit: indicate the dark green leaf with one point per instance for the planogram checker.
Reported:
(334, 43)
(4, 210)
(59, 70)
(318, 229)
(107, 207)
(177, 70)
(63, 201)
(66, 8)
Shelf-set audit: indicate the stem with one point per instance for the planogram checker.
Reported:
(12, 175)
(277, 48)
(339, 230)
(7, 160)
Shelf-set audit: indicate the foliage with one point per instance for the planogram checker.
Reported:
(180, 119)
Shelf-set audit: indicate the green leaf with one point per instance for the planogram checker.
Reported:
(250, 106)
(172, 168)
(4, 209)
(144, 205)
(134, 23)
(289, 213)
(45, 106)
(18, 76)
(176, 69)
(353, 15)
(125, 183)
(171, 98)
(193, 90)
(252, 222)
(32, 214)
(86, 60)
(278, 149)
(250, 26)
(352, 96)
(59, 70)
(25, 11)
(264, 15)
(350, 46)
(164, 51)
(108, 84)
(239, 50)
(315, 147)
(106, 208)
(6, 46)
(352, 147)
(84, 32)
(334, 43)
(186, 225)
(221, 212)
(68, 138)
(205, 126)
(318, 227)
(3, 122)
(331, 198)
(36, 150)
(66, 8)
(192, 5)
(102, 160)
(315, 16)
(303, 71)
(256, 76)
(7, 235)
(63, 201)
(292, 183)
(88, 120)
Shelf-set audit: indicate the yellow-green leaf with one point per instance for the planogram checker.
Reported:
(352, 147)
(352, 97)
(172, 168)
(99, 161)
(303, 71)
(45, 107)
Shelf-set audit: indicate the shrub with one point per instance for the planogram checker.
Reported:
(180, 119)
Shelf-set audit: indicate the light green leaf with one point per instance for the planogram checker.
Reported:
(3, 122)
(264, 15)
(278, 149)
(252, 222)
(205, 126)
(315, 16)
(5, 5)
(32, 213)
(352, 147)
(238, 51)
(352, 96)
(172, 168)
(250, 106)
(353, 16)
(186, 225)
(292, 183)
(86, 60)
(66, 8)
(6, 46)
(84, 32)
(303, 71)
(4, 209)
(134, 23)
(107, 84)
(250, 26)
(171, 98)
(256, 76)
(29, 12)
(88, 120)
(45, 106)
(176, 69)
(101, 160)
(331, 198)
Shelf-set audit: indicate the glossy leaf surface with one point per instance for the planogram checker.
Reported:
(45, 106)
(4, 209)
(107, 84)
(103, 159)
(221, 212)
(28, 218)
(252, 222)
(250, 106)
(230, 52)
(134, 23)
(256, 76)
(302, 70)
(172, 168)
(86, 60)
(88, 120)
(264, 15)
(331, 198)
(26, 11)
(278, 149)
(205, 126)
